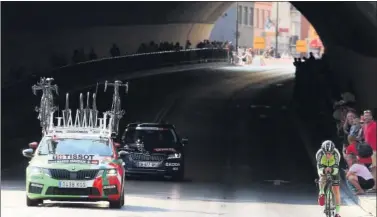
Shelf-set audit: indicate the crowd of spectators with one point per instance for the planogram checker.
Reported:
(80, 56)
(316, 92)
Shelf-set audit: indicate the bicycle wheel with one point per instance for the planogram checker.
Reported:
(117, 115)
(329, 203)
(94, 102)
(45, 114)
(81, 101)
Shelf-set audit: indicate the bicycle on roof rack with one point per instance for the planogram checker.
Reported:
(47, 101)
(116, 111)
(329, 196)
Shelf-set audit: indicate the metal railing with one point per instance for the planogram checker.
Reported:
(89, 70)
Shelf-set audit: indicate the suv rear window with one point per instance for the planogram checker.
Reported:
(152, 137)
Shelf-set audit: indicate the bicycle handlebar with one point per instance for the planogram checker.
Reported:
(117, 83)
(44, 83)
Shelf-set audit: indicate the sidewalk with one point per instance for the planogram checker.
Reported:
(312, 134)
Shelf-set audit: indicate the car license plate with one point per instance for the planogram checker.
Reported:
(72, 184)
(148, 164)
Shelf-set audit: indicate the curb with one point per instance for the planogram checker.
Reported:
(306, 139)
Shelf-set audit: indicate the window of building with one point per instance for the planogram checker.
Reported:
(269, 14)
(246, 16)
(263, 18)
(251, 23)
(257, 18)
(239, 14)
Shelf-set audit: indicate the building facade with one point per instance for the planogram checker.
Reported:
(305, 25)
(281, 14)
(262, 13)
(225, 27)
(295, 30)
(246, 24)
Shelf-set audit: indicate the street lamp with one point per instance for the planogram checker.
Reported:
(277, 30)
(237, 33)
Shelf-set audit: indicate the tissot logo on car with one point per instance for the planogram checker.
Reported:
(73, 158)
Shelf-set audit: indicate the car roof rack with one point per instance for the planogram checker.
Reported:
(86, 121)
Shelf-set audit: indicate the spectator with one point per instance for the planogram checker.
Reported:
(143, 48)
(370, 138)
(114, 50)
(92, 55)
(188, 44)
(359, 175)
(356, 129)
(76, 56)
(231, 49)
(352, 149)
(347, 127)
(82, 56)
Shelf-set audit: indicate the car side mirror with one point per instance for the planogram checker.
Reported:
(122, 153)
(33, 145)
(184, 141)
(29, 153)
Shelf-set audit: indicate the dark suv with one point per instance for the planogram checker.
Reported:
(153, 149)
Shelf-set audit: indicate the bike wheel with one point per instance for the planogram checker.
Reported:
(329, 202)
(45, 114)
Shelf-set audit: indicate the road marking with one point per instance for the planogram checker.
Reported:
(277, 182)
(262, 116)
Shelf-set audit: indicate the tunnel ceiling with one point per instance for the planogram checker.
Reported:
(337, 23)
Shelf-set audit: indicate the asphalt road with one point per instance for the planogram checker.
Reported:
(241, 137)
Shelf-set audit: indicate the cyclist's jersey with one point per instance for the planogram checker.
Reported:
(323, 162)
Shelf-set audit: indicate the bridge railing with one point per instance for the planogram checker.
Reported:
(90, 70)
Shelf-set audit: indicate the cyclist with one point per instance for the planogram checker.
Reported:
(328, 158)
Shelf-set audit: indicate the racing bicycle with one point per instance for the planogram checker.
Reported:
(47, 100)
(329, 196)
(116, 112)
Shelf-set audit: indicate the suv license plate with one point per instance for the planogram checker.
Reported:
(72, 184)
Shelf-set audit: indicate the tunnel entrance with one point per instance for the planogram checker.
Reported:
(244, 145)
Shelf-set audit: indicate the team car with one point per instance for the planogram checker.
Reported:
(153, 149)
(76, 160)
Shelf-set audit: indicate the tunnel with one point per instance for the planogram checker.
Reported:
(239, 126)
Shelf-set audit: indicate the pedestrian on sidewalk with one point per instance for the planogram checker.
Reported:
(370, 134)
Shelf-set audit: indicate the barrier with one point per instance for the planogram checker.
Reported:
(86, 71)
(131, 63)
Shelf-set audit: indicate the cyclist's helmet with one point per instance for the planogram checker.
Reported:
(328, 146)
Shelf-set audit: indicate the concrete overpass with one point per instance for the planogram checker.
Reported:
(347, 29)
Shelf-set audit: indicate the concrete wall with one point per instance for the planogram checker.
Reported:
(33, 49)
(361, 70)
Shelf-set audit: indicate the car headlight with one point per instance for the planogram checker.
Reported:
(39, 171)
(108, 172)
(174, 156)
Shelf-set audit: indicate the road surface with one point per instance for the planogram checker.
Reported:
(241, 138)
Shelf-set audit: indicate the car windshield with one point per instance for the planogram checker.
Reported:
(75, 146)
(152, 138)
